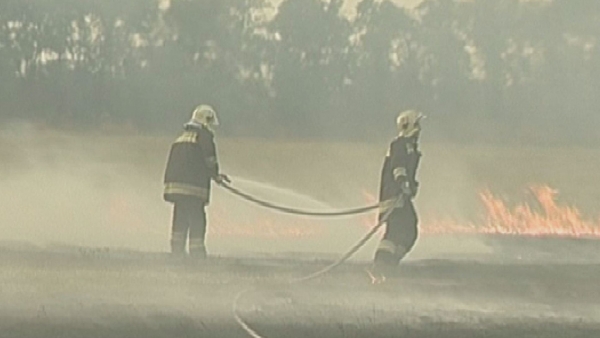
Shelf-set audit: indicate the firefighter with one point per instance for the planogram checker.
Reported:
(398, 179)
(191, 165)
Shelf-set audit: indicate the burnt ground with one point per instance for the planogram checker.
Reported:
(523, 288)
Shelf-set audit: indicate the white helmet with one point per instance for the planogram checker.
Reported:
(408, 123)
(203, 115)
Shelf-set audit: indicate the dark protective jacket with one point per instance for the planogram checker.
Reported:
(191, 165)
(400, 168)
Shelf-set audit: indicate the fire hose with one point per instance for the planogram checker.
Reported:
(295, 211)
(390, 205)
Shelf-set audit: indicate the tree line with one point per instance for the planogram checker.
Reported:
(484, 70)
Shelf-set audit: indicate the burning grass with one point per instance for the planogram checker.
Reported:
(544, 217)
(104, 187)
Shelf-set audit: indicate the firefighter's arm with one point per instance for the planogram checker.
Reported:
(399, 165)
(413, 183)
(219, 177)
(404, 163)
(209, 151)
(211, 161)
(415, 159)
(398, 161)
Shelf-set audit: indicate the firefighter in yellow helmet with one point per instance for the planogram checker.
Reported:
(191, 165)
(398, 178)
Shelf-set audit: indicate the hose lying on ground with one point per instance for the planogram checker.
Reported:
(251, 332)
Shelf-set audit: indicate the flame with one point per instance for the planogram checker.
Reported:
(548, 219)
(545, 217)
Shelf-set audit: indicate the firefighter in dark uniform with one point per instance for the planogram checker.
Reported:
(398, 178)
(191, 166)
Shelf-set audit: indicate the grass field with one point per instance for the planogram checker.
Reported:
(543, 294)
(58, 183)
(65, 195)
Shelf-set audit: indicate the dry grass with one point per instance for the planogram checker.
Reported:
(107, 190)
(451, 175)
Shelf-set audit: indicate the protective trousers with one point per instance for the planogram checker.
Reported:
(189, 220)
(400, 236)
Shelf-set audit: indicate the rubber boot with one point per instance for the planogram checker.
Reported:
(178, 244)
(197, 249)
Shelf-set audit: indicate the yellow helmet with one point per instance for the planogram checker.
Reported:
(408, 123)
(203, 115)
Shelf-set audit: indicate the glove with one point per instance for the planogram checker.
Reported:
(405, 189)
(409, 189)
(222, 178)
(414, 188)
